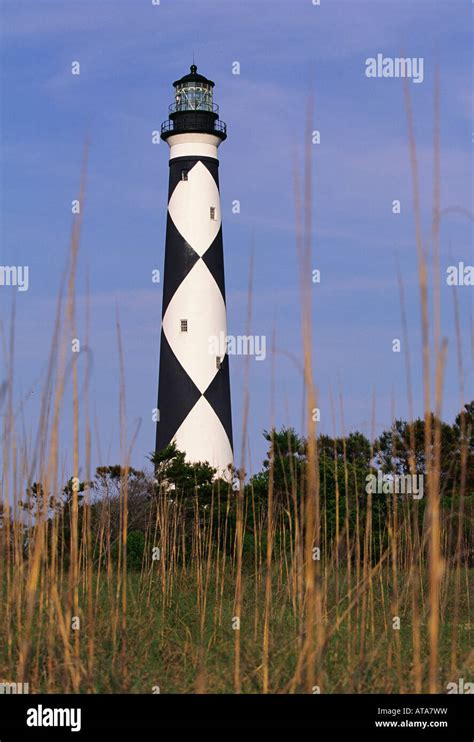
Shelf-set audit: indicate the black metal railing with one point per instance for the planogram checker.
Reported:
(193, 123)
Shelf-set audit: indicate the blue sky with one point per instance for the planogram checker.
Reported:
(130, 53)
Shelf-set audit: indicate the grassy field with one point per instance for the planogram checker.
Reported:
(180, 645)
(246, 612)
(241, 604)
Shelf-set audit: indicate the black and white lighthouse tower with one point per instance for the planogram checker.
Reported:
(194, 389)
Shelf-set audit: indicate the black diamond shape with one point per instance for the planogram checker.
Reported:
(214, 259)
(176, 166)
(177, 395)
(218, 396)
(213, 167)
(179, 259)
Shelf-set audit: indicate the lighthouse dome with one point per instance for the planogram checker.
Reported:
(193, 76)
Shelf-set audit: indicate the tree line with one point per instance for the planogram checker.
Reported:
(343, 465)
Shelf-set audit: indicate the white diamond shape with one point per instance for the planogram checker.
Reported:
(190, 206)
(199, 301)
(202, 436)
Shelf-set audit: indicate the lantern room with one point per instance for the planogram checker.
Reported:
(193, 109)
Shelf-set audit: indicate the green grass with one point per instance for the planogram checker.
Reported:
(166, 646)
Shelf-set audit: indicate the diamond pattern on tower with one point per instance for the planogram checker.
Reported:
(199, 300)
(175, 172)
(214, 259)
(194, 394)
(179, 259)
(177, 395)
(218, 396)
(193, 435)
(213, 167)
(189, 208)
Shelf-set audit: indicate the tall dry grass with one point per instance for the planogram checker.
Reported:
(304, 624)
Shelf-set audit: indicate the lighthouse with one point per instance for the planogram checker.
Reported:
(194, 402)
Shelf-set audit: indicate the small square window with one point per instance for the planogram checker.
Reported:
(218, 362)
(213, 213)
(184, 174)
(184, 325)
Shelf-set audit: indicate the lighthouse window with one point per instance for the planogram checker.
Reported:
(213, 213)
(192, 97)
(184, 174)
(184, 325)
(218, 362)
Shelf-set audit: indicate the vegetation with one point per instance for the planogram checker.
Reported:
(156, 603)
(296, 580)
